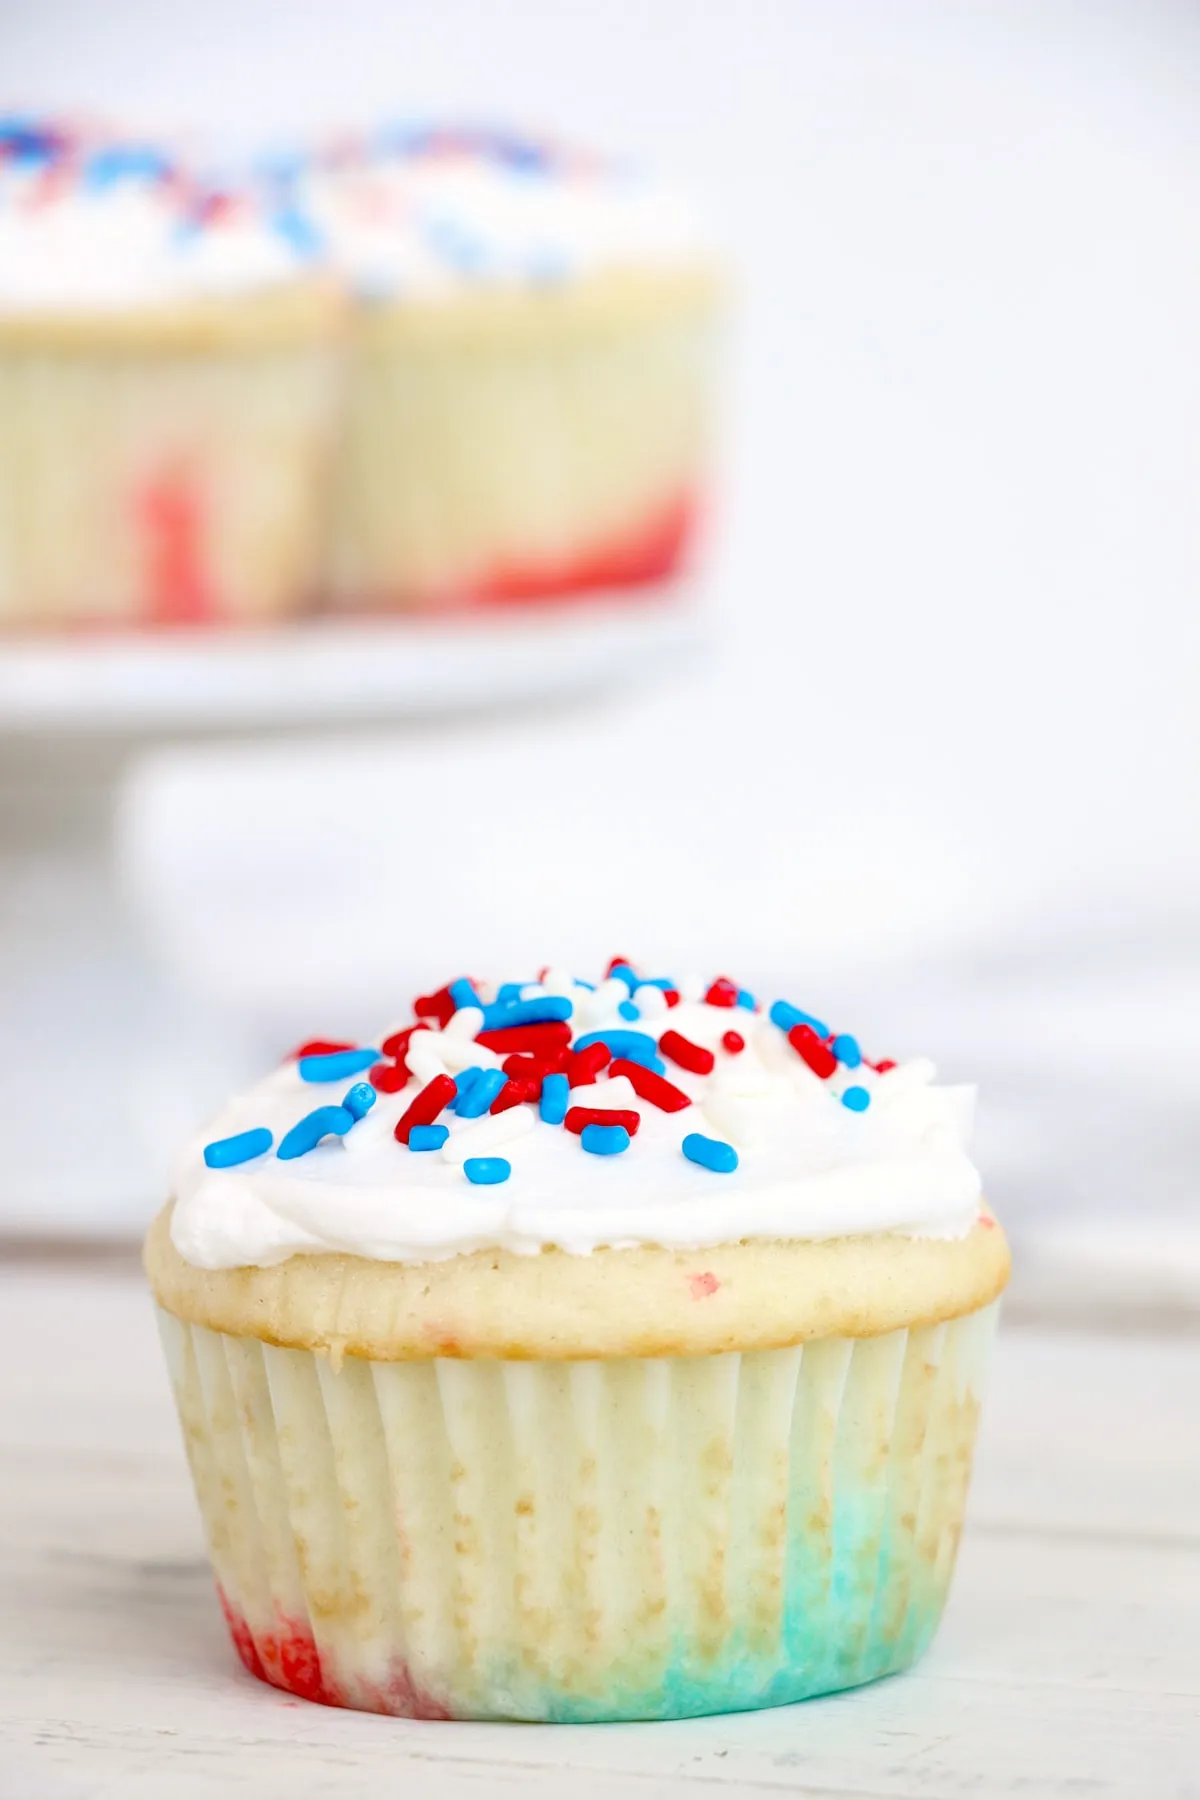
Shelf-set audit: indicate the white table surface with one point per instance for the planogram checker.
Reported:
(1068, 1664)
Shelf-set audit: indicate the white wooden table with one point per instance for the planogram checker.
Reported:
(1068, 1664)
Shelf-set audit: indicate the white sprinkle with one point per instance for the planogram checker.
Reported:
(465, 1022)
(651, 1001)
(600, 1008)
(615, 1095)
(692, 988)
(484, 1135)
(917, 1072)
(559, 983)
(422, 1058)
(459, 1053)
(533, 990)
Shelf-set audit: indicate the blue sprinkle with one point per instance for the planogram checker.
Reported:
(623, 972)
(846, 1049)
(604, 1140)
(479, 1096)
(227, 1153)
(427, 1137)
(359, 1099)
(298, 231)
(635, 1046)
(125, 162)
(508, 991)
(556, 1093)
(463, 994)
(539, 1011)
(785, 1015)
(710, 1153)
(746, 998)
(337, 1064)
(463, 1084)
(856, 1098)
(486, 1171)
(326, 1121)
(628, 1010)
(579, 982)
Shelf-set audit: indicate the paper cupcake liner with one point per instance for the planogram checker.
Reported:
(520, 465)
(629, 1539)
(164, 486)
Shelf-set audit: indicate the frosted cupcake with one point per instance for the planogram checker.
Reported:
(581, 1353)
(530, 409)
(167, 390)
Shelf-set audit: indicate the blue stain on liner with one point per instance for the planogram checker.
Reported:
(227, 1153)
(628, 1010)
(427, 1137)
(746, 999)
(463, 994)
(785, 1015)
(487, 1171)
(545, 1008)
(636, 1046)
(479, 1096)
(359, 1099)
(604, 1140)
(337, 1064)
(306, 1134)
(856, 1098)
(556, 1093)
(710, 1153)
(846, 1049)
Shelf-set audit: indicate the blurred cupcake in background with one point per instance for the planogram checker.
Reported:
(529, 409)
(168, 385)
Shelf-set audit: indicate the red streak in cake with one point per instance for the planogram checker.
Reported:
(703, 1285)
(171, 513)
(649, 552)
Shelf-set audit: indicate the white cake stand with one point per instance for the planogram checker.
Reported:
(94, 1044)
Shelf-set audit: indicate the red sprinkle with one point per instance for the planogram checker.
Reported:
(437, 1006)
(814, 1050)
(426, 1106)
(514, 1091)
(543, 1039)
(721, 993)
(671, 996)
(734, 1042)
(649, 1086)
(389, 1078)
(579, 1116)
(691, 1056)
(532, 1068)
(585, 1065)
(318, 1047)
(881, 1068)
(617, 962)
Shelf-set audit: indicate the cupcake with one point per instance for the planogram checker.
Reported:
(168, 380)
(529, 409)
(581, 1353)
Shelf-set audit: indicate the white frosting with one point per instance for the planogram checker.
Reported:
(70, 245)
(809, 1167)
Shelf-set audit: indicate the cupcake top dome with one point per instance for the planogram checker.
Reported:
(94, 220)
(638, 1110)
(91, 221)
(421, 210)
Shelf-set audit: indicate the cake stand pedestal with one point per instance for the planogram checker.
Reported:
(103, 1059)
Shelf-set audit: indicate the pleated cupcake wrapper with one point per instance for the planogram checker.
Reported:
(582, 1541)
(475, 471)
(164, 487)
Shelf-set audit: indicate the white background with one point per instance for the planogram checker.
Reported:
(939, 772)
